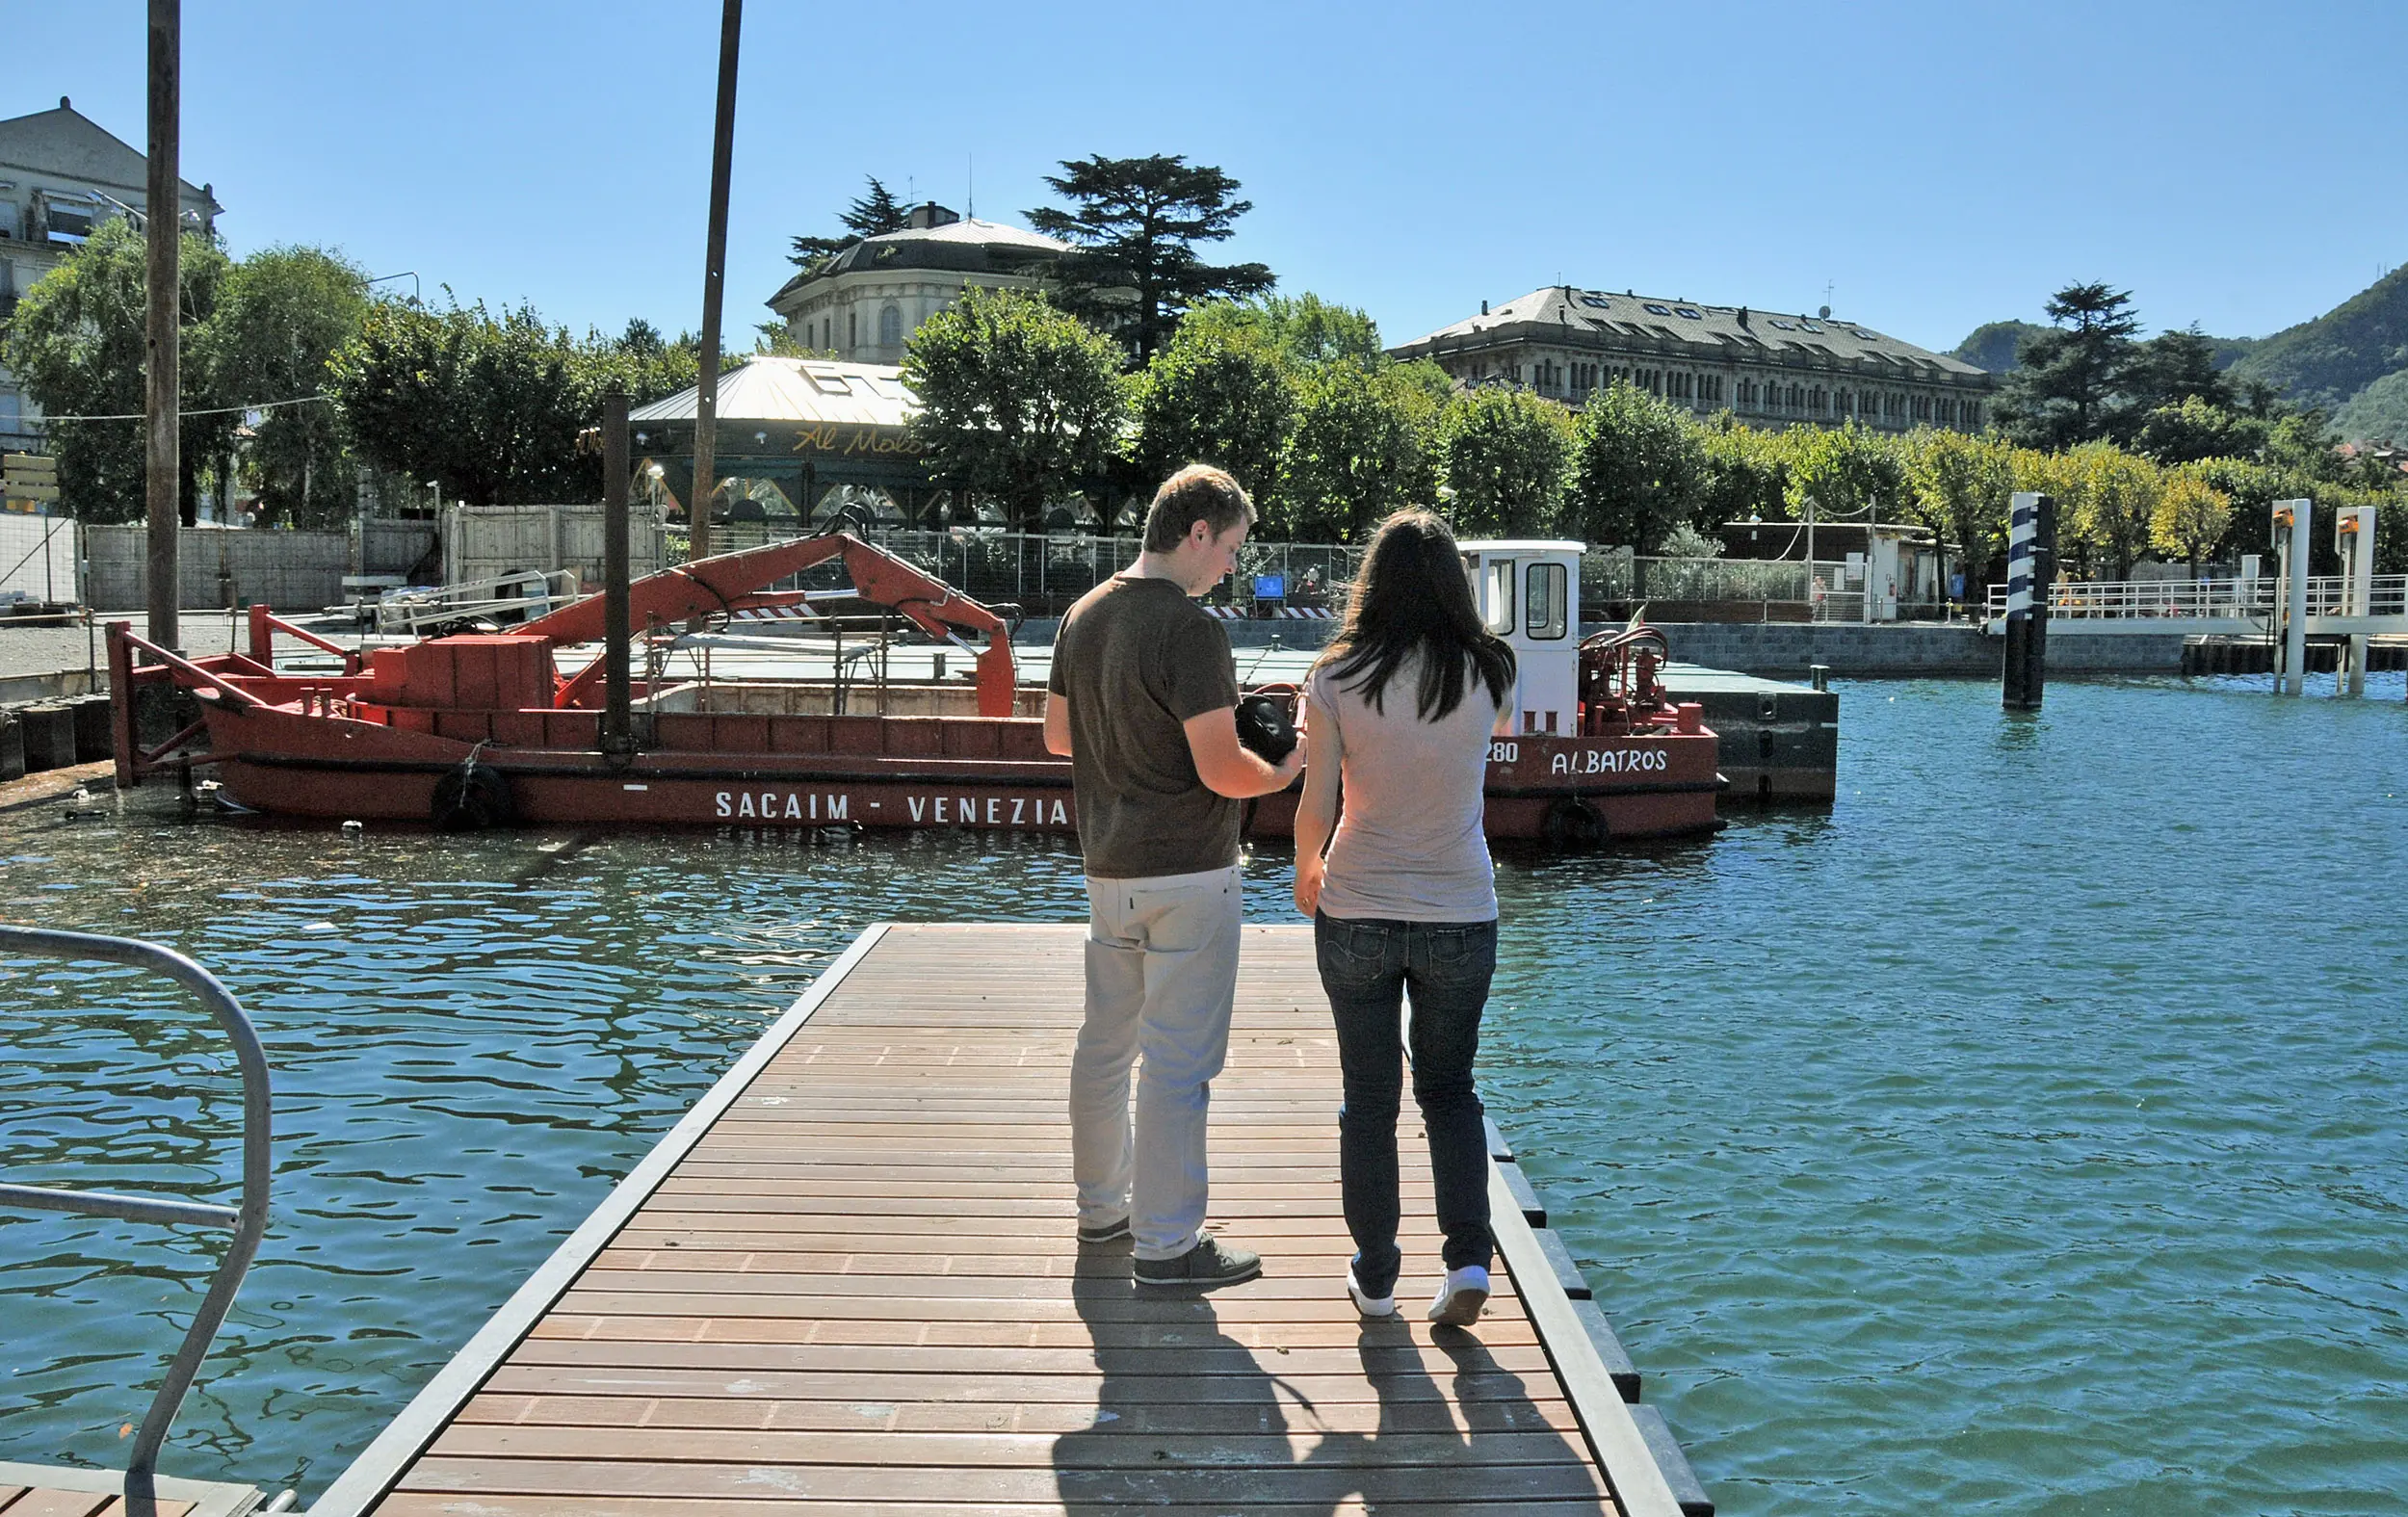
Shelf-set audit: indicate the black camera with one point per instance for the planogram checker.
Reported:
(1265, 727)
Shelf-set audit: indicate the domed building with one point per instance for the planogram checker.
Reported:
(864, 304)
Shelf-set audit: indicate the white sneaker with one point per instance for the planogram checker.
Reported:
(1365, 1302)
(1462, 1298)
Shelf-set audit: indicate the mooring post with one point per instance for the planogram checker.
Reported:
(2030, 558)
(2290, 524)
(2353, 539)
(618, 734)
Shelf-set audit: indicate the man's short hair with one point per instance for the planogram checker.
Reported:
(1198, 492)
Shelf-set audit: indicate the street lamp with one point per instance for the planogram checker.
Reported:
(437, 488)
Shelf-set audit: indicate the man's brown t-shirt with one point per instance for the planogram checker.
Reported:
(1135, 658)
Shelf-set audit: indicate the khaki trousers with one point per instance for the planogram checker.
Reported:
(1161, 979)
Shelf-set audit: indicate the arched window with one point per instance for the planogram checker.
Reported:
(890, 328)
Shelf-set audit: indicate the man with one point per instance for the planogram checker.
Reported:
(1143, 699)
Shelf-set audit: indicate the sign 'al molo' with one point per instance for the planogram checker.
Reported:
(839, 440)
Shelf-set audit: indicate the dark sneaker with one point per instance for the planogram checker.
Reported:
(1111, 1232)
(1210, 1263)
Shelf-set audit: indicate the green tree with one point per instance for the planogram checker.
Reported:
(76, 345)
(2174, 367)
(649, 367)
(282, 315)
(1135, 225)
(1636, 468)
(488, 407)
(2196, 427)
(1361, 449)
(2069, 386)
(2061, 476)
(1849, 473)
(1959, 486)
(1214, 396)
(1504, 455)
(1019, 401)
(2118, 509)
(873, 214)
(2192, 518)
(1304, 331)
(1745, 474)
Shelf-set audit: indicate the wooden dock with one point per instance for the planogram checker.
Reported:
(847, 1282)
(45, 1490)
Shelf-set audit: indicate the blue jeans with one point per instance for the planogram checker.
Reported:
(1368, 967)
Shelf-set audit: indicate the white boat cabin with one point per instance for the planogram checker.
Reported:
(1529, 593)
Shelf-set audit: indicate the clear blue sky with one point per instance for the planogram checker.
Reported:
(1938, 165)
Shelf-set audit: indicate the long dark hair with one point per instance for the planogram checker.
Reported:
(1412, 596)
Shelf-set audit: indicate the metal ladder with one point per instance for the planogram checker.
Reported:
(246, 1221)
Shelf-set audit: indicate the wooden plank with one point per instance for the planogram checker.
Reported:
(854, 1287)
(846, 1408)
(1506, 1486)
(416, 1504)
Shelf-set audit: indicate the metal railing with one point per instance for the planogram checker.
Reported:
(248, 1221)
(521, 597)
(2327, 596)
(1044, 572)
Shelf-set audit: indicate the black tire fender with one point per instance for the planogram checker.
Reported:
(473, 797)
(1572, 823)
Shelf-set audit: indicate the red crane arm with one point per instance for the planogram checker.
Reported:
(690, 590)
(728, 581)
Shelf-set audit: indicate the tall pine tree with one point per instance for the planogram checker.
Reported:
(1133, 270)
(2070, 388)
(873, 214)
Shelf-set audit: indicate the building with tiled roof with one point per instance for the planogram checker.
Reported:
(62, 174)
(1770, 368)
(862, 306)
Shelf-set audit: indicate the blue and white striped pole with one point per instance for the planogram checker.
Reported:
(2030, 559)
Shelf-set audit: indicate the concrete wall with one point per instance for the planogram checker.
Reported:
(1787, 650)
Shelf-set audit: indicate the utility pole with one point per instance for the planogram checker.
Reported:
(706, 411)
(161, 390)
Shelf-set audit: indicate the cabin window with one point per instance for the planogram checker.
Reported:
(1499, 597)
(1545, 597)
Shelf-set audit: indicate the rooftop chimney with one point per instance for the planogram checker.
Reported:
(929, 214)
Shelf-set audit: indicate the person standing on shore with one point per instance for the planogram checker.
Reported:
(1143, 699)
(1400, 708)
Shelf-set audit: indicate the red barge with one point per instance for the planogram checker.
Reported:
(480, 728)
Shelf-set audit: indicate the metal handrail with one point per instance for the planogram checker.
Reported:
(2328, 596)
(248, 1221)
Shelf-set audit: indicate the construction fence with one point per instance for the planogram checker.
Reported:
(38, 559)
(225, 567)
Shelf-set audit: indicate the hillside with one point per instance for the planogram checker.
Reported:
(2377, 413)
(2326, 361)
(2352, 361)
(1992, 345)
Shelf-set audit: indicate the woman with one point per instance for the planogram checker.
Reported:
(1400, 708)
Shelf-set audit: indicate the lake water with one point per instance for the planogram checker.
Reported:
(2024, 1135)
